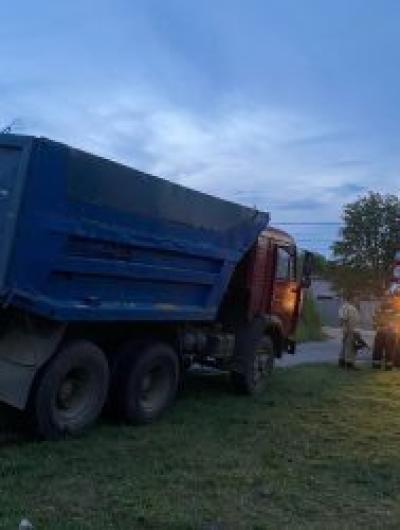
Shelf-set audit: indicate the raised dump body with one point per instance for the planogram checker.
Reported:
(84, 238)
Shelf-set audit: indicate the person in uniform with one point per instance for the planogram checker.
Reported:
(349, 318)
(386, 343)
(387, 323)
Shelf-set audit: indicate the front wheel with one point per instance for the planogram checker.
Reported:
(252, 374)
(70, 392)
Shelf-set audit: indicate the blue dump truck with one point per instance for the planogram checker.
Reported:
(114, 282)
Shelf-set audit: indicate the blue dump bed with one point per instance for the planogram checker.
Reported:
(84, 238)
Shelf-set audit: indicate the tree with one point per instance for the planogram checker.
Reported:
(365, 251)
(320, 265)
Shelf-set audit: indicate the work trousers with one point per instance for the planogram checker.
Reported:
(385, 349)
(348, 351)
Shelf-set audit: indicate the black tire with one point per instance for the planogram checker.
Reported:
(254, 361)
(120, 360)
(145, 381)
(70, 391)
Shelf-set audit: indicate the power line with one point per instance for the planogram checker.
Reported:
(309, 223)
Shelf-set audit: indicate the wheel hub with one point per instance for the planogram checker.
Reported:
(74, 392)
(154, 387)
(65, 393)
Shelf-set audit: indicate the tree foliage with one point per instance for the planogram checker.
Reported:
(364, 253)
(320, 265)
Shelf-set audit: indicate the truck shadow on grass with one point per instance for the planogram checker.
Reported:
(200, 388)
(206, 393)
(13, 426)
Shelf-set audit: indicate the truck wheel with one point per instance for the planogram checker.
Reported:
(146, 381)
(70, 392)
(254, 367)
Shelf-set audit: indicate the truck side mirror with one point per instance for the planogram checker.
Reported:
(307, 269)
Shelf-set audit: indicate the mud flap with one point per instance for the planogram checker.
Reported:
(24, 347)
(291, 346)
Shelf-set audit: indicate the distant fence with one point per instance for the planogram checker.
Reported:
(328, 304)
(367, 311)
(328, 309)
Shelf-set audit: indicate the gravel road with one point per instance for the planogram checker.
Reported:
(324, 352)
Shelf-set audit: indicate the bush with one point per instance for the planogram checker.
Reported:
(310, 326)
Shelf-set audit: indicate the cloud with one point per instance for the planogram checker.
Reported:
(319, 139)
(348, 189)
(250, 153)
(350, 163)
(254, 105)
(307, 204)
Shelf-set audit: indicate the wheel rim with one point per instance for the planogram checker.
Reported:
(74, 397)
(155, 388)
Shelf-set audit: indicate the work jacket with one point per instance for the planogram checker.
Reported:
(387, 315)
(349, 317)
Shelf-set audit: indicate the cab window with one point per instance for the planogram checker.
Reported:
(285, 264)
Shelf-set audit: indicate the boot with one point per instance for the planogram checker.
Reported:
(342, 363)
(376, 365)
(351, 366)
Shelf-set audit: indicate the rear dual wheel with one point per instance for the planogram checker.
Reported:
(71, 389)
(70, 392)
(145, 381)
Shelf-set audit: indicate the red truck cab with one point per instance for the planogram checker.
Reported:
(275, 290)
(264, 299)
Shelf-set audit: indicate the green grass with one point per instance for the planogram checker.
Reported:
(310, 326)
(319, 450)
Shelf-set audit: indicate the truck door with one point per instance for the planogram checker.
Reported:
(285, 288)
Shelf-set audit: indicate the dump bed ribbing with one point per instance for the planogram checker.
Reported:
(85, 238)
